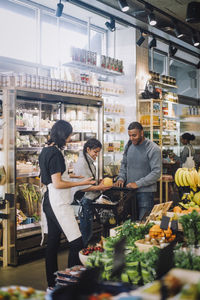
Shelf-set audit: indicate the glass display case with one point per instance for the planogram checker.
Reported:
(30, 115)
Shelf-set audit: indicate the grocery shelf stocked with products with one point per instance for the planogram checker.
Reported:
(165, 110)
(114, 134)
(28, 121)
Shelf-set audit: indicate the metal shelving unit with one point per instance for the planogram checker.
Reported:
(28, 112)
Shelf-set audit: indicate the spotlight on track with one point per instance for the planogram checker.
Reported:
(172, 50)
(193, 12)
(153, 43)
(152, 19)
(141, 38)
(123, 5)
(195, 40)
(111, 25)
(178, 31)
(59, 9)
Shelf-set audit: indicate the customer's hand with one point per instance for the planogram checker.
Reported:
(132, 185)
(119, 183)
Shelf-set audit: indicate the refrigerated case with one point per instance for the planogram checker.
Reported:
(30, 115)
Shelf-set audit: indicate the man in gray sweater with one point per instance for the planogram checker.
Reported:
(140, 168)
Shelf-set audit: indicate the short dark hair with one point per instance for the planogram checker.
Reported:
(60, 131)
(91, 144)
(135, 125)
(187, 136)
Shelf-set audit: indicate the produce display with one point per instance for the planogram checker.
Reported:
(91, 249)
(30, 197)
(20, 293)
(139, 267)
(188, 177)
(173, 285)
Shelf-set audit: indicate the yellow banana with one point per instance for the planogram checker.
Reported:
(193, 178)
(184, 179)
(176, 178)
(180, 177)
(190, 178)
(194, 171)
(198, 179)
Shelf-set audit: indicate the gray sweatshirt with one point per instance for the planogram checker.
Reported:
(142, 165)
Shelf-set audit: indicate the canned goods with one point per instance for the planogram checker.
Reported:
(41, 78)
(53, 84)
(65, 86)
(45, 83)
(23, 80)
(28, 80)
(49, 84)
(33, 81)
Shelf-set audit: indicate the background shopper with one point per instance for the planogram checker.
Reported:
(185, 140)
(140, 168)
(59, 213)
(85, 167)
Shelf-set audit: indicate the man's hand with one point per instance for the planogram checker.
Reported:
(132, 185)
(119, 183)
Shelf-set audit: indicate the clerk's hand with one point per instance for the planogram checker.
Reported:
(88, 181)
(119, 183)
(132, 185)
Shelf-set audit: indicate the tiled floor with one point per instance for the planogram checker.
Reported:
(31, 273)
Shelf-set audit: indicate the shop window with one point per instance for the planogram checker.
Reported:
(71, 35)
(96, 41)
(159, 63)
(186, 77)
(18, 31)
(49, 40)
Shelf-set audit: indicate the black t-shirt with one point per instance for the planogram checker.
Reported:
(51, 161)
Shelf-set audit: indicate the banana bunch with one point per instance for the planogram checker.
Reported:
(188, 177)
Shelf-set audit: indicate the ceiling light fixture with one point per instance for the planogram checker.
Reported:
(59, 9)
(172, 50)
(152, 19)
(111, 25)
(193, 12)
(141, 38)
(177, 30)
(195, 40)
(153, 43)
(123, 5)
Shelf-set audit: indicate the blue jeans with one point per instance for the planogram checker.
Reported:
(86, 217)
(145, 203)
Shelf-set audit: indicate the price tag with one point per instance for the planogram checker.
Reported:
(164, 223)
(174, 225)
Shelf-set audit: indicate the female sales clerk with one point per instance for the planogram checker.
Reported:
(59, 213)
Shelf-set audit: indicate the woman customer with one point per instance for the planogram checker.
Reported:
(85, 167)
(188, 149)
(59, 213)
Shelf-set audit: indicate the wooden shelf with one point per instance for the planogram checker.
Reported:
(164, 84)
